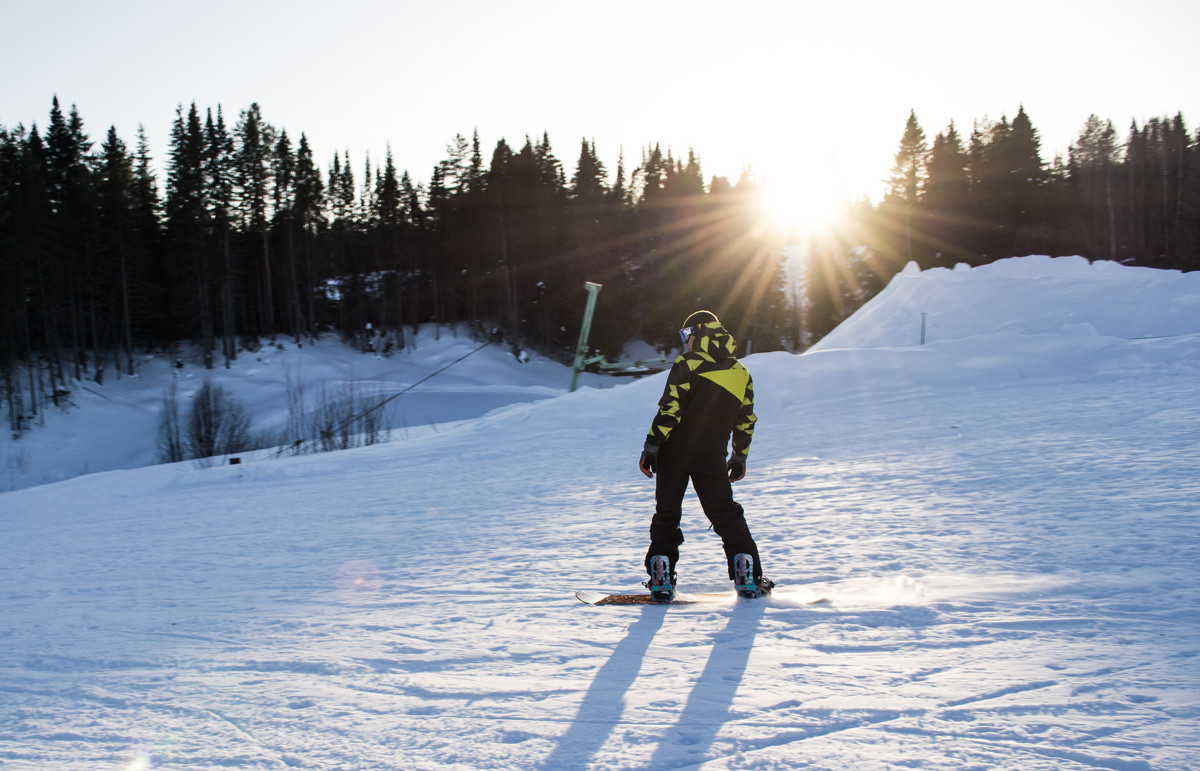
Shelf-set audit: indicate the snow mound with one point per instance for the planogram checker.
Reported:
(1026, 296)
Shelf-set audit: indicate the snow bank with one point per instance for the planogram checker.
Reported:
(1025, 296)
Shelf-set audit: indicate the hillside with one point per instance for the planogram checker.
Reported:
(1003, 521)
(115, 426)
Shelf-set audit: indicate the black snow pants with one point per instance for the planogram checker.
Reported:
(710, 480)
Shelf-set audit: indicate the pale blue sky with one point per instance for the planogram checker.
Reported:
(819, 89)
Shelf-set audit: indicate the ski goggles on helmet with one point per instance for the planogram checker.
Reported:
(687, 332)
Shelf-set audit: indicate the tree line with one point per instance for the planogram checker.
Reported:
(991, 194)
(246, 239)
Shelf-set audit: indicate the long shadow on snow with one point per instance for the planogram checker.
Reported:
(604, 702)
(709, 704)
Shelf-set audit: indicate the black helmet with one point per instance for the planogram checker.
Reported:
(701, 317)
(694, 325)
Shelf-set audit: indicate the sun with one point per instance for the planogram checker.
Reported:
(799, 209)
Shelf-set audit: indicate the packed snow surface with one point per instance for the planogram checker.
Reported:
(1002, 523)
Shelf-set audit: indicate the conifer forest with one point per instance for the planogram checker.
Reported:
(247, 238)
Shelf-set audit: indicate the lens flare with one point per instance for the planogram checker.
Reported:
(140, 762)
(357, 582)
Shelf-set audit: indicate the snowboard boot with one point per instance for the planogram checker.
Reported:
(662, 580)
(745, 582)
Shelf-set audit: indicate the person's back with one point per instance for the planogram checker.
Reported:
(715, 400)
(708, 399)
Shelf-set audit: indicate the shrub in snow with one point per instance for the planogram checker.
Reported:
(170, 431)
(346, 417)
(217, 424)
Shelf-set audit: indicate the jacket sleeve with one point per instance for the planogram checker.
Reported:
(670, 406)
(743, 427)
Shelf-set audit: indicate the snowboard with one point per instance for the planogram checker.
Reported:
(682, 598)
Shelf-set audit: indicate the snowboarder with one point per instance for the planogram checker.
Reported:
(709, 398)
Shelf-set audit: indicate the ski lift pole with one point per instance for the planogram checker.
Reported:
(581, 350)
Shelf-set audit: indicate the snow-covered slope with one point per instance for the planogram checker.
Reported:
(115, 425)
(1029, 296)
(1004, 522)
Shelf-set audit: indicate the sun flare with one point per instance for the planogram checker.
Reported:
(799, 209)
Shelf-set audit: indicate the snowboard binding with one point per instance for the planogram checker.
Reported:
(662, 580)
(744, 581)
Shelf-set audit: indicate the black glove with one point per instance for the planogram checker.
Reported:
(649, 461)
(737, 467)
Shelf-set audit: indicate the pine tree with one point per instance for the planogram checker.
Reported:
(1147, 185)
(474, 179)
(153, 311)
(27, 245)
(308, 201)
(990, 186)
(586, 230)
(1092, 164)
(187, 228)
(619, 194)
(389, 214)
(254, 141)
(416, 244)
(944, 205)
(117, 212)
(587, 184)
(12, 289)
(656, 292)
(458, 168)
(1188, 257)
(220, 178)
(907, 182)
(71, 189)
(285, 226)
(389, 208)
(1026, 175)
(909, 171)
(344, 232)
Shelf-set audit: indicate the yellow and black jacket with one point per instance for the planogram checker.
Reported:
(709, 397)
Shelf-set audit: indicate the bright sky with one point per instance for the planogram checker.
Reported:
(817, 91)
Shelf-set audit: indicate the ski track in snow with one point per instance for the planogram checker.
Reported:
(1010, 566)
